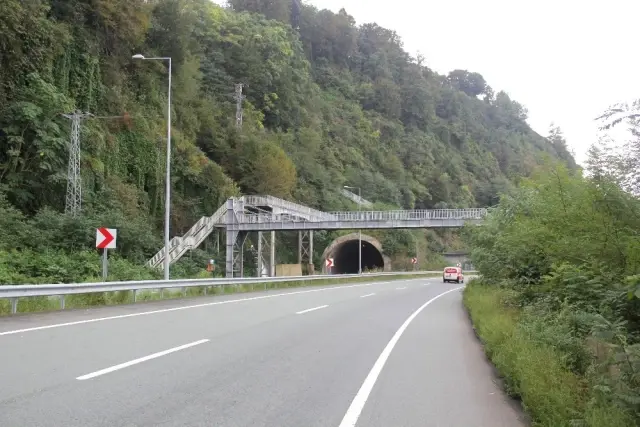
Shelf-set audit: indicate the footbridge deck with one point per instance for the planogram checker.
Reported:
(441, 218)
(268, 213)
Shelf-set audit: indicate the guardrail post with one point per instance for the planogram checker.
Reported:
(61, 302)
(205, 290)
(135, 295)
(14, 305)
(184, 292)
(161, 293)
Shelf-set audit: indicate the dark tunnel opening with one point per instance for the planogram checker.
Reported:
(345, 258)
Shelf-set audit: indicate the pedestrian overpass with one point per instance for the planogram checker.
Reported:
(267, 214)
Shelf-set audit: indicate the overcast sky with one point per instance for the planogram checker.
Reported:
(566, 61)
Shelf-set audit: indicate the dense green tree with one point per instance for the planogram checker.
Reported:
(328, 103)
(565, 248)
(473, 84)
(559, 143)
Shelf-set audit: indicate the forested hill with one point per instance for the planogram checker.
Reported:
(327, 104)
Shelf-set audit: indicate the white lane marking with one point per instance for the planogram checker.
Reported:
(140, 360)
(355, 409)
(311, 309)
(399, 289)
(208, 304)
(367, 295)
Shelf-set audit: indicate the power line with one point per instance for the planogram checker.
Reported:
(73, 199)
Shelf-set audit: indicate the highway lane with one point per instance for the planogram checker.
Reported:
(255, 362)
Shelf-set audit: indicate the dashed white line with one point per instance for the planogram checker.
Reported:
(399, 289)
(312, 309)
(355, 409)
(367, 295)
(140, 360)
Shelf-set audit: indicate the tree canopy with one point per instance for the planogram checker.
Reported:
(328, 103)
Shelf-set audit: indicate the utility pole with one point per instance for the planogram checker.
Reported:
(359, 236)
(167, 190)
(415, 266)
(73, 199)
(239, 97)
(359, 230)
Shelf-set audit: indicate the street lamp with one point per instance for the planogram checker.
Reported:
(359, 230)
(167, 201)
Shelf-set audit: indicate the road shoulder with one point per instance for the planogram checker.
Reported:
(438, 375)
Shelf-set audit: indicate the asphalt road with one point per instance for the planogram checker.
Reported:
(387, 354)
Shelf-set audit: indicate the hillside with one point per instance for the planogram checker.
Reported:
(327, 104)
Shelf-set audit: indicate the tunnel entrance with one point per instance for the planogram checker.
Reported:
(344, 251)
(346, 258)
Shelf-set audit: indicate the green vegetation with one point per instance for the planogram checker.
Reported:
(328, 103)
(558, 305)
(533, 366)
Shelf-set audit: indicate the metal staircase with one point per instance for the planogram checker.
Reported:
(191, 239)
(280, 206)
(179, 245)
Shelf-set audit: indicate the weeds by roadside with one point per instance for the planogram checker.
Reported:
(538, 362)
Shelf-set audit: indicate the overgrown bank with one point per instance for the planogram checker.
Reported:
(528, 352)
(558, 306)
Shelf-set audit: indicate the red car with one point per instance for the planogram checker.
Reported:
(453, 274)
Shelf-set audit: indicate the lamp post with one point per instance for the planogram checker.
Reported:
(359, 230)
(167, 197)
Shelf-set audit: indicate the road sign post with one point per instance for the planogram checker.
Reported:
(329, 264)
(105, 264)
(105, 240)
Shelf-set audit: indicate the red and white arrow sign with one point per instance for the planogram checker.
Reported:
(414, 260)
(329, 262)
(106, 238)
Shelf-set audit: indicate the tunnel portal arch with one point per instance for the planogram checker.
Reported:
(344, 251)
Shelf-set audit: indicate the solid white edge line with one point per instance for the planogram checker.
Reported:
(167, 310)
(367, 295)
(399, 289)
(355, 409)
(140, 360)
(311, 309)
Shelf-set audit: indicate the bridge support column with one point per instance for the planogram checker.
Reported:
(238, 254)
(305, 249)
(266, 266)
(232, 236)
(260, 263)
(233, 244)
(272, 255)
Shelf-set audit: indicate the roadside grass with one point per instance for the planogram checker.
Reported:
(532, 371)
(78, 301)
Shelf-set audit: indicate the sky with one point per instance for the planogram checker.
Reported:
(566, 61)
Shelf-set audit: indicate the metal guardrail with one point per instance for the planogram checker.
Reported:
(13, 292)
(364, 216)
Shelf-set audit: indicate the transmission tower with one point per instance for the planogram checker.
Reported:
(73, 200)
(239, 97)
